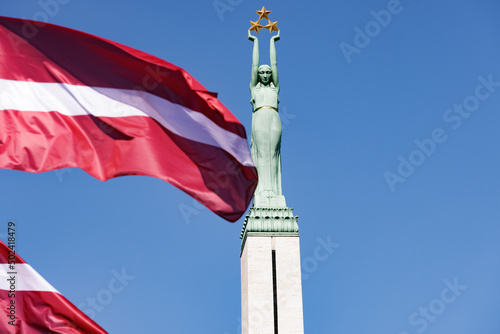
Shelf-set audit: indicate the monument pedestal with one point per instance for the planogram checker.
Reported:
(271, 285)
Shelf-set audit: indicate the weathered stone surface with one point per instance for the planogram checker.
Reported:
(257, 291)
(289, 285)
(257, 287)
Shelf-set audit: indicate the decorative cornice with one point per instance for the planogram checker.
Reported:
(269, 221)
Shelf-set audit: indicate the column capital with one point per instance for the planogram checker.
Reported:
(270, 222)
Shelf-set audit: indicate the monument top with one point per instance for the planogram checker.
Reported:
(266, 123)
(264, 14)
(269, 214)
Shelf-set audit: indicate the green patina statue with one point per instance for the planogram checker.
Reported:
(269, 213)
(266, 127)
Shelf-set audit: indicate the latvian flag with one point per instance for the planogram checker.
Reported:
(70, 99)
(30, 305)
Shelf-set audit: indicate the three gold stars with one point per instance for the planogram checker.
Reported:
(264, 14)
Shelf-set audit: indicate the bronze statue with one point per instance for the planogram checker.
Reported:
(266, 123)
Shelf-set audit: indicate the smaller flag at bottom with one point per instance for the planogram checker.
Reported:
(30, 305)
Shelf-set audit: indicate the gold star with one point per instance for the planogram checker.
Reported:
(256, 26)
(263, 13)
(272, 26)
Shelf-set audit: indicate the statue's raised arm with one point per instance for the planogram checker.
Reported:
(274, 62)
(264, 83)
(255, 60)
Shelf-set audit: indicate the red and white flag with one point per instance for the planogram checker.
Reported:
(70, 99)
(30, 305)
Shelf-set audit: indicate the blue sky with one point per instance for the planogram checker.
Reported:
(390, 153)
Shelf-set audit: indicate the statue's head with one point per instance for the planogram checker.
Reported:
(265, 74)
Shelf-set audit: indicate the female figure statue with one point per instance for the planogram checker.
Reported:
(266, 126)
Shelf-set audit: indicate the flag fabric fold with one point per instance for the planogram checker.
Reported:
(30, 305)
(71, 99)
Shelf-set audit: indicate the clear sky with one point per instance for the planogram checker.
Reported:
(390, 153)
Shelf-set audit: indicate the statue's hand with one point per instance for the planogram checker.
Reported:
(276, 37)
(251, 37)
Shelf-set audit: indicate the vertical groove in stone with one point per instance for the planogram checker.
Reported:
(275, 293)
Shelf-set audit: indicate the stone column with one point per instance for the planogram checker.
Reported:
(271, 285)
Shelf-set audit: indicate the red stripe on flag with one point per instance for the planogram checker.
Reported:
(108, 147)
(43, 312)
(4, 255)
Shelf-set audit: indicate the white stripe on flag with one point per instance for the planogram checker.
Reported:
(26, 278)
(74, 100)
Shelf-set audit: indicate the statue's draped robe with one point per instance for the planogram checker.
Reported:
(266, 140)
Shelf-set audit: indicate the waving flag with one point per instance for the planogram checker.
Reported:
(30, 305)
(70, 99)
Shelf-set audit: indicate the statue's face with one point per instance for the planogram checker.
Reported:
(265, 75)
